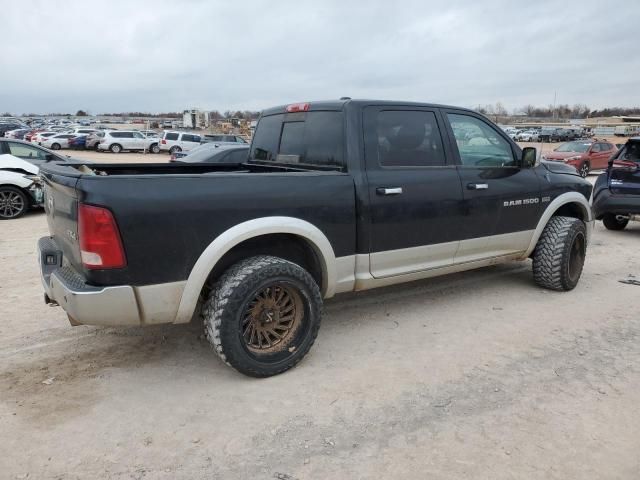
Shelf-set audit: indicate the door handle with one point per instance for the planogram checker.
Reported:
(389, 191)
(477, 186)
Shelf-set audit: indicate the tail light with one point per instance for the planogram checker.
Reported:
(100, 243)
(163, 141)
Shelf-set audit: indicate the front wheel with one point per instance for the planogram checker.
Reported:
(584, 170)
(614, 222)
(55, 146)
(155, 148)
(560, 253)
(13, 203)
(263, 315)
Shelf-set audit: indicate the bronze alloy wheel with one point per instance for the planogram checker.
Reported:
(272, 319)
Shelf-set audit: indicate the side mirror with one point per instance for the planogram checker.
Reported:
(529, 155)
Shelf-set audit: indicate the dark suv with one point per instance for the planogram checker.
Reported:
(616, 197)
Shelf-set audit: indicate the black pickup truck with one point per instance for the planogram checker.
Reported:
(334, 197)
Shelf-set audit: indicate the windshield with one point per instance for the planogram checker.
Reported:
(579, 147)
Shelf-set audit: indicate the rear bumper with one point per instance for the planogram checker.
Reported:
(606, 202)
(121, 305)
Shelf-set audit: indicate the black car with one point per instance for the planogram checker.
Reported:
(616, 194)
(222, 154)
(34, 154)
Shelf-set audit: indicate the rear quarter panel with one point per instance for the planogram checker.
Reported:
(166, 221)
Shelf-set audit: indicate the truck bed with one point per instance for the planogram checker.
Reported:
(167, 214)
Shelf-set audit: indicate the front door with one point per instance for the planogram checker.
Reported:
(502, 201)
(414, 191)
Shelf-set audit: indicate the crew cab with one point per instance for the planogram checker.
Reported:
(335, 196)
(616, 195)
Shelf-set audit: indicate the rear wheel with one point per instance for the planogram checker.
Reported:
(560, 253)
(263, 315)
(13, 203)
(584, 169)
(614, 222)
(115, 148)
(174, 150)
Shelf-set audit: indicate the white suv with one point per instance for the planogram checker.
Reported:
(173, 142)
(118, 140)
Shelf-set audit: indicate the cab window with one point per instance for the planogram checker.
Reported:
(479, 144)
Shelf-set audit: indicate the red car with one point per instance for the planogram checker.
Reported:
(583, 155)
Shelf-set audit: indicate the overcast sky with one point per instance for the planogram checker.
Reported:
(161, 56)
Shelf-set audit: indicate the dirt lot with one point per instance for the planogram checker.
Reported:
(479, 375)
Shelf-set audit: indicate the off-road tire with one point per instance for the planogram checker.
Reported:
(224, 310)
(612, 223)
(559, 256)
(115, 148)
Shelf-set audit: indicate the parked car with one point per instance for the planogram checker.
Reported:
(173, 142)
(17, 133)
(39, 137)
(57, 141)
(93, 140)
(20, 187)
(82, 131)
(616, 194)
(7, 127)
(118, 140)
(223, 138)
(584, 155)
(254, 247)
(527, 136)
(78, 143)
(222, 154)
(548, 135)
(31, 153)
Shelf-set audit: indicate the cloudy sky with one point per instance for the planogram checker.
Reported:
(159, 56)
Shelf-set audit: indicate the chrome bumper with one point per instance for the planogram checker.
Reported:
(121, 305)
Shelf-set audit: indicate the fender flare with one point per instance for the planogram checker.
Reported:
(245, 231)
(559, 201)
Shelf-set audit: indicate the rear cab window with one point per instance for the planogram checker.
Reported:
(313, 138)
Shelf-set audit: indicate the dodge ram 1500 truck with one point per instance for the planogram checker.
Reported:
(334, 197)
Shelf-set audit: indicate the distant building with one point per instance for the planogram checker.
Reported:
(195, 118)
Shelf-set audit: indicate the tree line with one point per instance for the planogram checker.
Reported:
(562, 111)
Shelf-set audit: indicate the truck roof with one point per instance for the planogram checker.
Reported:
(340, 104)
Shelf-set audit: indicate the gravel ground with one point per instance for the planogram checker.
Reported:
(480, 375)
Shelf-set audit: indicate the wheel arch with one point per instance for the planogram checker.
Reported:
(569, 204)
(251, 238)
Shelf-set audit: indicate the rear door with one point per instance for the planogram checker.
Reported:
(501, 200)
(414, 191)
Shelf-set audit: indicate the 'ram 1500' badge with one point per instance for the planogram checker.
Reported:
(525, 201)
